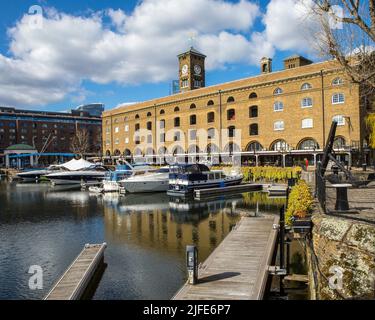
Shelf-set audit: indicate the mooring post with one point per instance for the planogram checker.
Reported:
(192, 264)
(282, 246)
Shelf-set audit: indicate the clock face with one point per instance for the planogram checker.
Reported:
(197, 69)
(185, 69)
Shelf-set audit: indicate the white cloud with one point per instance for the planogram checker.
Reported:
(49, 64)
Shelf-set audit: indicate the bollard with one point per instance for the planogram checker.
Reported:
(192, 264)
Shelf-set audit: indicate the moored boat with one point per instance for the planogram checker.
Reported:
(185, 178)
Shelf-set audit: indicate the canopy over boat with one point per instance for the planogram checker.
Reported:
(74, 165)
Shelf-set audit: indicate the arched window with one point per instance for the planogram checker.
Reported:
(230, 100)
(337, 82)
(278, 106)
(177, 122)
(178, 151)
(279, 145)
(108, 153)
(340, 119)
(306, 86)
(117, 153)
(177, 109)
(338, 98)
(162, 151)
(210, 103)
(150, 152)
(278, 91)
(127, 153)
(254, 146)
(116, 121)
(162, 111)
(253, 112)
(138, 152)
(231, 115)
(212, 148)
(137, 116)
(193, 119)
(308, 144)
(306, 103)
(193, 106)
(339, 143)
(253, 95)
(254, 129)
(211, 117)
(232, 147)
(149, 114)
(193, 149)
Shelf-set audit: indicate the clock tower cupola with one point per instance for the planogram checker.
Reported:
(192, 72)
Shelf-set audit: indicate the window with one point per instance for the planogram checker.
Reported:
(177, 136)
(254, 146)
(149, 125)
(307, 123)
(126, 119)
(253, 112)
(176, 122)
(162, 124)
(177, 109)
(162, 111)
(211, 117)
(280, 145)
(278, 126)
(162, 137)
(231, 115)
(137, 127)
(149, 114)
(117, 141)
(306, 103)
(278, 106)
(306, 86)
(193, 135)
(308, 144)
(117, 129)
(253, 95)
(339, 143)
(338, 98)
(184, 83)
(197, 83)
(193, 106)
(193, 119)
(149, 138)
(254, 129)
(337, 82)
(210, 103)
(339, 119)
(231, 131)
(126, 128)
(211, 133)
(137, 116)
(116, 121)
(278, 91)
(126, 140)
(230, 100)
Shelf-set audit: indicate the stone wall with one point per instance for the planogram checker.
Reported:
(347, 244)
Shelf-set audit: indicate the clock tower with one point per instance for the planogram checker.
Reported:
(192, 72)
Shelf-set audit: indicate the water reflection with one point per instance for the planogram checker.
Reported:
(146, 236)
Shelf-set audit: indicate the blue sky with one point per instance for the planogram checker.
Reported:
(119, 51)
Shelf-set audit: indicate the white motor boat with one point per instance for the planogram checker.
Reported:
(36, 175)
(88, 176)
(157, 181)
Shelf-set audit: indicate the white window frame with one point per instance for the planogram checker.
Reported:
(338, 96)
(310, 123)
(304, 100)
(127, 140)
(337, 81)
(117, 130)
(278, 103)
(277, 127)
(306, 86)
(278, 91)
(342, 118)
(126, 128)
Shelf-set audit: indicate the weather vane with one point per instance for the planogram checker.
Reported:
(192, 38)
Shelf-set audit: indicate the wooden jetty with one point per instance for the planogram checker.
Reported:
(245, 187)
(75, 280)
(277, 190)
(238, 268)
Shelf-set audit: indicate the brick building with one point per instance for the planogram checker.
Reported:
(278, 117)
(50, 132)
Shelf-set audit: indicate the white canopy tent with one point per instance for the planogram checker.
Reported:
(74, 165)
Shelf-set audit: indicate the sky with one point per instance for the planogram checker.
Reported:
(64, 53)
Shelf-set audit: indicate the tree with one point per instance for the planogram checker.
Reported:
(80, 143)
(346, 32)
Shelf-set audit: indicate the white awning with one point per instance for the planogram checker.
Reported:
(74, 164)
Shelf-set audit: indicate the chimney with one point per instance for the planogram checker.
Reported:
(296, 61)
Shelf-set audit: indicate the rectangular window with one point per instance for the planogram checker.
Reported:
(127, 140)
(127, 128)
(149, 138)
(162, 124)
(279, 126)
(162, 137)
(338, 98)
(177, 136)
(306, 103)
(307, 123)
(340, 120)
(193, 135)
(117, 130)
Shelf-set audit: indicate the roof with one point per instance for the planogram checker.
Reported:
(20, 147)
(192, 50)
